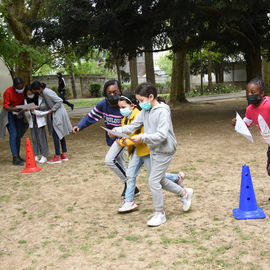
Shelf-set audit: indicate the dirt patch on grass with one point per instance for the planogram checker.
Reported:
(65, 216)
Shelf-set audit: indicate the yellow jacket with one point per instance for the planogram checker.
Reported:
(142, 148)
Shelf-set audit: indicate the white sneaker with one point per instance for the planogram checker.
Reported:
(127, 207)
(180, 181)
(157, 219)
(43, 160)
(186, 200)
(36, 158)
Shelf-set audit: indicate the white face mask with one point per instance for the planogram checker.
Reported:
(31, 96)
(19, 90)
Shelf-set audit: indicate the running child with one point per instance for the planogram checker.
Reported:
(258, 111)
(37, 123)
(159, 136)
(109, 110)
(58, 122)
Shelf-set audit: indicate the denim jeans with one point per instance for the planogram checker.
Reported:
(172, 176)
(134, 166)
(14, 128)
(57, 143)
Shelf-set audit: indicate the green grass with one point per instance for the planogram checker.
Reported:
(84, 102)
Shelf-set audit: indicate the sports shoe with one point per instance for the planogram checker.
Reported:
(127, 207)
(43, 160)
(186, 200)
(157, 219)
(137, 192)
(21, 159)
(36, 158)
(64, 156)
(56, 159)
(180, 180)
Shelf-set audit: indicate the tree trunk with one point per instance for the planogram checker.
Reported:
(24, 70)
(253, 63)
(266, 75)
(118, 70)
(149, 67)
(221, 72)
(187, 75)
(177, 82)
(133, 72)
(201, 64)
(73, 85)
(210, 84)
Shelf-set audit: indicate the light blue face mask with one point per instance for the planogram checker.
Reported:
(126, 112)
(19, 90)
(146, 106)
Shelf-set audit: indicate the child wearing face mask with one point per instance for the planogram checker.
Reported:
(108, 109)
(258, 111)
(159, 136)
(37, 123)
(139, 153)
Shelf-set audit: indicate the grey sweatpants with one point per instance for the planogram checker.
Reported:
(39, 140)
(157, 180)
(116, 161)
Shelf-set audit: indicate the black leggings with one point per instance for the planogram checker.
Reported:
(57, 144)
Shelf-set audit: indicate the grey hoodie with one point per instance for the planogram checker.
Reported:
(158, 129)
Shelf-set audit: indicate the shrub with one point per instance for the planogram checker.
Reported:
(54, 88)
(125, 87)
(95, 90)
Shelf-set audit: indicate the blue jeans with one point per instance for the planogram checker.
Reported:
(57, 143)
(14, 128)
(172, 176)
(134, 167)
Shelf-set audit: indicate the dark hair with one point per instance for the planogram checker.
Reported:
(59, 73)
(36, 85)
(30, 100)
(17, 81)
(111, 82)
(27, 87)
(145, 89)
(259, 82)
(129, 98)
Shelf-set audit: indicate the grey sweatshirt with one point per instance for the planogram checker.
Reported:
(158, 129)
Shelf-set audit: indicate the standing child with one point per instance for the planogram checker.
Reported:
(159, 136)
(109, 110)
(258, 111)
(58, 122)
(37, 122)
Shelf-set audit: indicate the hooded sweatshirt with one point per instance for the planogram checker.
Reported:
(158, 129)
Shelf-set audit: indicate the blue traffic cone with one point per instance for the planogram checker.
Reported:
(247, 206)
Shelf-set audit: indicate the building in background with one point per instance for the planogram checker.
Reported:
(5, 78)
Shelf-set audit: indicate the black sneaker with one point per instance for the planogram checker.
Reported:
(17, 162)
(137, 192)
(124, 191)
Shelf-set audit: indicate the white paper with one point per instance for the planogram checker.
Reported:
(27, 106)
(241, 127)
(117, 134)
(265, 131)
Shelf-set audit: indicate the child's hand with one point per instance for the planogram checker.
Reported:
(110, 134)
(233, 122)
(136, 139)
(124, 142)
(118, 141)
(75, 129)
(50, 111)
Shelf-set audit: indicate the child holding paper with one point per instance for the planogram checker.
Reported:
(159, 136)
(258, 112)
(37, 122)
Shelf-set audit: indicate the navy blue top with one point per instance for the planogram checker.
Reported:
(103, 109)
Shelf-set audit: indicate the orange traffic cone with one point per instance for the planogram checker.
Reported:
(31, 165)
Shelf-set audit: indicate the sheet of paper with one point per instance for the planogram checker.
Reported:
(27, 106)
(117, 134)
(241, 127)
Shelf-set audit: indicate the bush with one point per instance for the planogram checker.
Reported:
(95, 90)
(54, 88)
(125, 87)
(163, 88)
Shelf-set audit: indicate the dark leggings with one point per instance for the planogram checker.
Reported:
(268, 161)
(57, 144)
